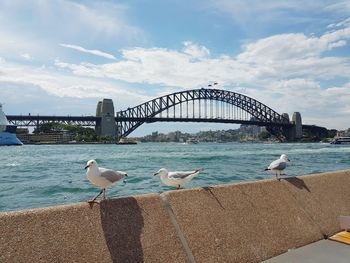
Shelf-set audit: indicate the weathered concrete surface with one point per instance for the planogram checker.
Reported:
(324, 197)
(247, 222)
(70, 233)
(119, 230)
(139, 229)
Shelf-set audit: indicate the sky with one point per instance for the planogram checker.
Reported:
(60, 57)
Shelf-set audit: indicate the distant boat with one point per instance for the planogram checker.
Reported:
(127, 141)
(341, 140)
(7, 131)
(192, 140)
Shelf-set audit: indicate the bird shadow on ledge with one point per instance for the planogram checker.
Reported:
(122, 224)
(297, 182)
(209, 189)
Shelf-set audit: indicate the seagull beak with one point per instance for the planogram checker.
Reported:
(126, 175)
(155, 174)
(87, 167)
(288, 160)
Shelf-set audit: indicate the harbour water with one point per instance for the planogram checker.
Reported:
(44, 175)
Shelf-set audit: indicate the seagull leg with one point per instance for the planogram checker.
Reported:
(94, 200)
(104, 193)
(277, 176)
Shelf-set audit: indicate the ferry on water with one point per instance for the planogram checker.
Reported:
(341, 140)
(7, 131)
(127, 141)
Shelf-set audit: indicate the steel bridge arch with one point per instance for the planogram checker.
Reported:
(130, 119)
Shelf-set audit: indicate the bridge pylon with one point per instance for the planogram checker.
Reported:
(288, 133)
(106, 127)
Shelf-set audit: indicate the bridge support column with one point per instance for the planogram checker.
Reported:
(107, 126)
(296, 131)
(296, 120)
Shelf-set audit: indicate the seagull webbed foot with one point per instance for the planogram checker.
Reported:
(92, 202)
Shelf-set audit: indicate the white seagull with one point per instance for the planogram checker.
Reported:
(102, 177)
(176, 178)
(277, 166)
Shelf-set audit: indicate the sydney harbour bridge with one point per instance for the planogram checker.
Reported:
(197, 105)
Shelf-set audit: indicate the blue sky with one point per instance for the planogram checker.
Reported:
(60, 57)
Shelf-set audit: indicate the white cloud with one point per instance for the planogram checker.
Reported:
(26, 56)
(293, 46)
(58, 84)
(90, 51)
(344, 23)
(285, 71)
(195, 50)
(57, 20)
(289, 66)
(340, 7)
(276, 57)
(254, 15)
(325, 107)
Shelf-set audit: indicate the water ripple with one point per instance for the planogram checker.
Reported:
(43, 175)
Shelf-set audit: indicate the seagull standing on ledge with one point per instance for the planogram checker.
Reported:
(102, 177)
(176, 178)
(279, 165)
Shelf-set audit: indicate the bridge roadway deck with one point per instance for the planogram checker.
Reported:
(34, 120)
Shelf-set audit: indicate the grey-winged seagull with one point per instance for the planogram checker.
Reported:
(102, 177)
(176, 178)
(277, 166)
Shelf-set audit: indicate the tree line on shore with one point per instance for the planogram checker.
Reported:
(244, 133)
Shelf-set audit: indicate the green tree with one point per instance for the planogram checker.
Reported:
(264, 135)
(331, 133)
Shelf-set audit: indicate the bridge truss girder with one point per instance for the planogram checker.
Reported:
(130, 119)
(36, 121)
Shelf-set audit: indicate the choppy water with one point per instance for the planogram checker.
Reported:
(43, 175)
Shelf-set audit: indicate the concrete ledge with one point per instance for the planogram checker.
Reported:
(323, 196)
(70, 233)
(247, 222)
(134, 229)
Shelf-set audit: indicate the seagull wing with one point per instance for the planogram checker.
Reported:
(278, 165)
(112, 176)
(182, 175)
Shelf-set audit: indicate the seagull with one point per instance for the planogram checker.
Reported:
(176, 178)
(277, 166)
(102, 177)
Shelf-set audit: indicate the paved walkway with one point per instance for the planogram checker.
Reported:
(324, 251)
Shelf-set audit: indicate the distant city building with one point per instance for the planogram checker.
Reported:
(251, 130)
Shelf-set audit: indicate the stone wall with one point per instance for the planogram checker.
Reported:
(246, 222)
